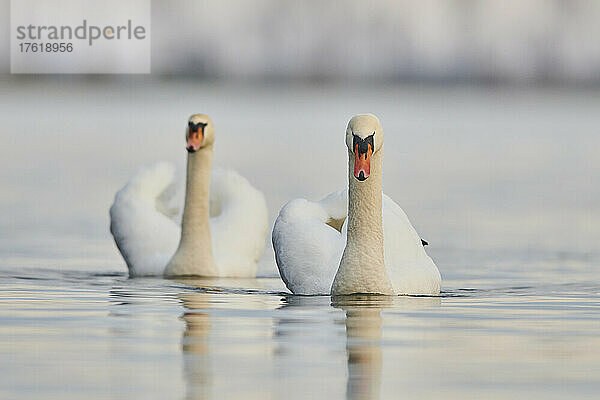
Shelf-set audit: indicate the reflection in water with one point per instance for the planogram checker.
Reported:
(123, 338)
(363, 343)
(299, 330)
(195, 343)
(207, 343)
(195, 346)
(364, 338)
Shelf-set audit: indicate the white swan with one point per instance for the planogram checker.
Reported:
(224, 224)
(320, 251)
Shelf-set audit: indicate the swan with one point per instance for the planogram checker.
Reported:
(224, 224)
(356, 240)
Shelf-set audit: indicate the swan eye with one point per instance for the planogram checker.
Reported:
(195, 135)
(194, 130)
(362, 145)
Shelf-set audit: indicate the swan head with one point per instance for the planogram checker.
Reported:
(199, 132)
(364, 137)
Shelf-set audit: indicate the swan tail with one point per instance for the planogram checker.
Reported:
(141, 220)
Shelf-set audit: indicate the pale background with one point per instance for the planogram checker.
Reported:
(490, 111)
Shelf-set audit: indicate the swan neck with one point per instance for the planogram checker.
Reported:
(194, 255)
(362, 268)
(364, 203)
(196, 212)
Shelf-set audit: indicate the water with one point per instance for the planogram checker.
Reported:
(501, 182)
(489, 335)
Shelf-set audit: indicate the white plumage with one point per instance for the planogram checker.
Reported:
(308, 248)
(144, 222)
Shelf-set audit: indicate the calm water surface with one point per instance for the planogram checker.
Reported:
(495, 332)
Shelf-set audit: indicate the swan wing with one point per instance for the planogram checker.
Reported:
(141, 220)
(408, 266)
(307, 243)
(239, 223)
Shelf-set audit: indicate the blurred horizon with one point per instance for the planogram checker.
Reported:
(540, 42)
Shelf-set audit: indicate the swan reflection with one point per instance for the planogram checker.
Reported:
(195, 345)
(363, 343)
(364, 338)
(208, 341)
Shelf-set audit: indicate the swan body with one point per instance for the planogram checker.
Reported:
(309, 248)
(356, 240)
(223, 227)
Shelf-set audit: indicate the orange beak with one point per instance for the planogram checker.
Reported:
(194, 137)
(362, 163)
